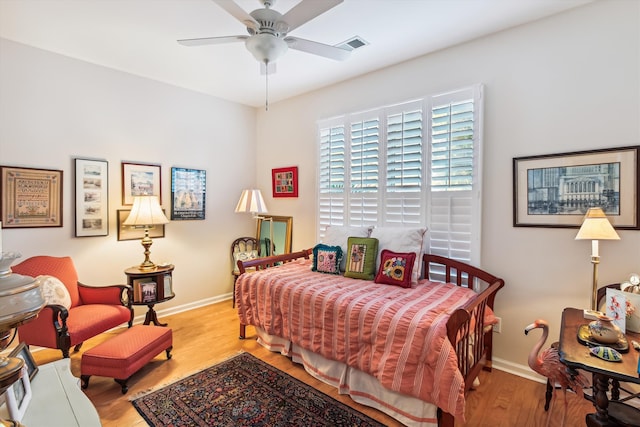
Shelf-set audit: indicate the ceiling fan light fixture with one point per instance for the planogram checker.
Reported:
(266, 47)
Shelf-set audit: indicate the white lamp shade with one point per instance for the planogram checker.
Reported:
(146, 210)
(251, 201)
(596, 226)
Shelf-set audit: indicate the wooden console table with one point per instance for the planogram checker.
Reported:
(162, 291)
(577, 356)
(57, 399)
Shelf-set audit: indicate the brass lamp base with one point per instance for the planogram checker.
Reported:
(146, 242)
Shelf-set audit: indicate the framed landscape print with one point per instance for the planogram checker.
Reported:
(30, 197)
(188, 191)
(556, 190)
(128, 232)
(92, 197)
(284, 182)
(140, 180)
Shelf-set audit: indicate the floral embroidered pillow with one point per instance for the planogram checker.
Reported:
(326, 259)
(395, 268)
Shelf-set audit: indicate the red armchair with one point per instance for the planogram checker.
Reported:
(93, 309)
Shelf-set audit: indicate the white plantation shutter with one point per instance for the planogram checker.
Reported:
(331, 169)
(454, 215)
(404, 197)
(411, 164)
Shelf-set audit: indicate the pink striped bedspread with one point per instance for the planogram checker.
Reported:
(395, 334)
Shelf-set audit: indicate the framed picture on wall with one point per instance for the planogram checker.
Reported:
(30, 197)
(139, 179)
(129, 232)
(188, 191)
(556, 190)
(284, 182)
(92, 197)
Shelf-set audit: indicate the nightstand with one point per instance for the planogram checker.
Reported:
(150, 287)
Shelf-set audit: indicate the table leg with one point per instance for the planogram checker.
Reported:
(152, 317)
(601, 402)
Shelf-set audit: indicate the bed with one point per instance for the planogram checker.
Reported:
(412, 353)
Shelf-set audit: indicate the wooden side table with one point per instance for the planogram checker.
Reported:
(150, 287)
(577, 356)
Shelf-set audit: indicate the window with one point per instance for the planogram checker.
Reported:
(411, 164)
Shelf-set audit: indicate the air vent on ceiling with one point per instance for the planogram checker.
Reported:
(353, 43)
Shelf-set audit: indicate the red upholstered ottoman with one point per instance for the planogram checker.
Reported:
(123, 355)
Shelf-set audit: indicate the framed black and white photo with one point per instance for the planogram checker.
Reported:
(22, 351)
(18, 396)
(140, 179)
(188, 191)
(92, 197)
(556, 190)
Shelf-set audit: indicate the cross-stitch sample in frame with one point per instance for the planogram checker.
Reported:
(284, 182)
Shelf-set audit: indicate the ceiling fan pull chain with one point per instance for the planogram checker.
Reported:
(266, 79)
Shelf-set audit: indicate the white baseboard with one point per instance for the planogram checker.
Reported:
(184, 307)
(520, 370)
(165, 312)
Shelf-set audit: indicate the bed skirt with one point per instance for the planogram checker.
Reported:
(361, 387)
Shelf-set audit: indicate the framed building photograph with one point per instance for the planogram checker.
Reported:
(129, 232)
(556, 190)
(92, 197)
(30, 197)
(22, 351)
(140, 179)
(284, 182)
(188, 191)
(18, 396)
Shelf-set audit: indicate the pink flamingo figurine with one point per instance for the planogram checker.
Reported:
(547, 363)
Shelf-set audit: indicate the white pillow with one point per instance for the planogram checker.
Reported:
(400, 239)
(54, 291)
(243, 256)
(337, 235)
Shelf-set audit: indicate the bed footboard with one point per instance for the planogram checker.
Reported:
(465, 328)
(266, 262)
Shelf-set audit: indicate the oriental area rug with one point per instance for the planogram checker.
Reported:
(245, 391)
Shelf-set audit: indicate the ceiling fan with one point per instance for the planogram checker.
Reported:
(268, 30)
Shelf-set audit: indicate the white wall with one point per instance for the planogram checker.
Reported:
(567, 83)
(53, 109)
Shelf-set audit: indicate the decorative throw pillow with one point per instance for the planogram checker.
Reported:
(361, 258)
(243, 256)
(326, 259)
(337, 235)
(54, 291)
(395, 268)
(399, 239)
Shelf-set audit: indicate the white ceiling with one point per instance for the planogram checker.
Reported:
(139, 37)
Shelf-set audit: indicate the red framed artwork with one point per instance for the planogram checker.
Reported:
(284, 182)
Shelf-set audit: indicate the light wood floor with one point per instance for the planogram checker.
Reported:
(208, 335)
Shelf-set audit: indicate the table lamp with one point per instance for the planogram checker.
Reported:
(595, 227)
(20, 301)
(251, 201)
(146, 212)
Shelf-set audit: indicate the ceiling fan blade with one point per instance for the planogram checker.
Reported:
(237, 12)
(316, 48)
(306, 10)
(212, 40)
